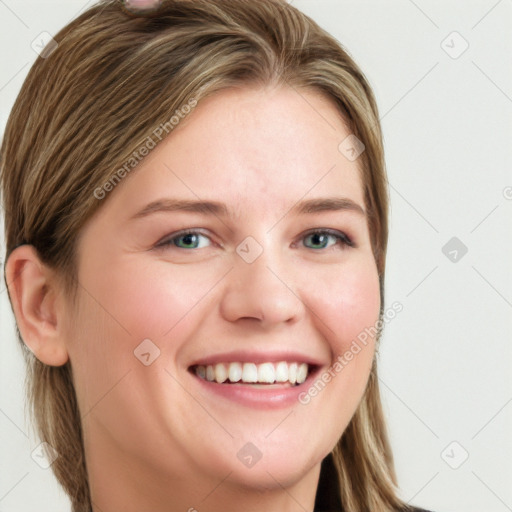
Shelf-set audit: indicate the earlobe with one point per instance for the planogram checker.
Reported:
(34, 297)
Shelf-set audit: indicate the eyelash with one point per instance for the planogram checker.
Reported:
(342, 239)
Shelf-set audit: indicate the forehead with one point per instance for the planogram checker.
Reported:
(264, 148)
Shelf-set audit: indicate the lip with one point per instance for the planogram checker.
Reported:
(276, 396)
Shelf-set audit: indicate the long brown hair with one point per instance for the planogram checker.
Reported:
(96, 96)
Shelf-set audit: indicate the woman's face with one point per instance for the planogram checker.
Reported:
(250, 285)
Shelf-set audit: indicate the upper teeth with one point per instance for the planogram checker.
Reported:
(267, 373)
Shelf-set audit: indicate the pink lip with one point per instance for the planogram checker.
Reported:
(244, 356)
(275, 397)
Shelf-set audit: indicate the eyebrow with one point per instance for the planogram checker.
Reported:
(216, 208)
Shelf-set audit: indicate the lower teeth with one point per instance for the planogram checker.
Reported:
(260, 384)
(255, 384)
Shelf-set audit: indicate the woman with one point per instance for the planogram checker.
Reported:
(196, 233)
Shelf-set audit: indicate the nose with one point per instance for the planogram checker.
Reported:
(261, 291)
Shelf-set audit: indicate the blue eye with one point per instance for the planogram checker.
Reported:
(190, 240)
(321, 238)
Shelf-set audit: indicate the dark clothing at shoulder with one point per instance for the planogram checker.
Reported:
(328, 492)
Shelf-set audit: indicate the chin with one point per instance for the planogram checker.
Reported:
(270, 467)
(273, 475)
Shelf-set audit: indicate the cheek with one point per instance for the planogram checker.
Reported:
(151, 300)
(347, 303)
(118, 310)
(347, 311)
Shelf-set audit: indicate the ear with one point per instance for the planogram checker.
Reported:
(37, 305)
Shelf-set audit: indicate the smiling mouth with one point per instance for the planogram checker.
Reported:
(285, 373)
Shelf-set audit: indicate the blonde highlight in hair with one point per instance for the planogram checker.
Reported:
(90, 103)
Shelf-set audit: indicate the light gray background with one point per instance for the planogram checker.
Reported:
(445, 359)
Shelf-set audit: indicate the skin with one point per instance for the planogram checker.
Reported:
(154, 440)
(141, 5)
